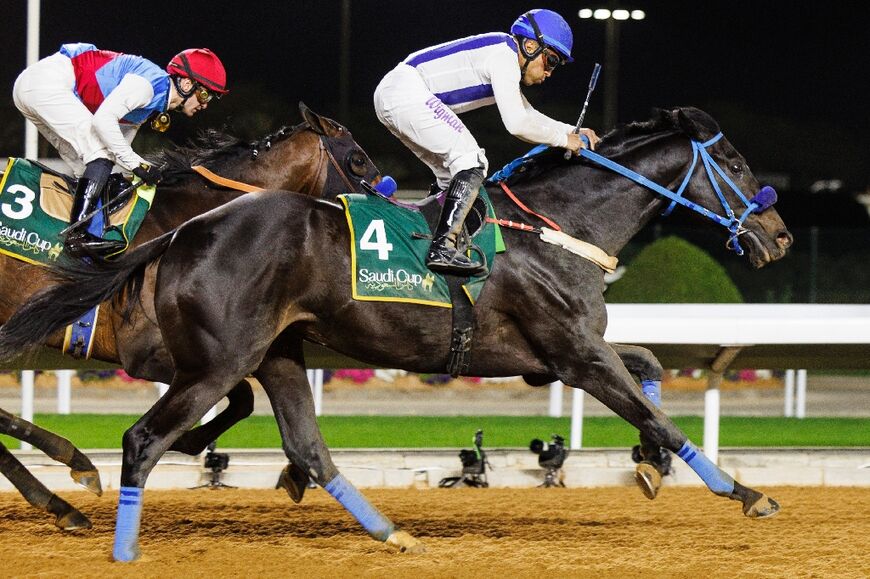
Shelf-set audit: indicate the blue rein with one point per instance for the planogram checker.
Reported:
(763, 200)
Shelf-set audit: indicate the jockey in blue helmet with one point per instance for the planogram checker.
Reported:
(549, 30)
(420, 99)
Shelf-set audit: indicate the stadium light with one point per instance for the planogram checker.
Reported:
(611, 18)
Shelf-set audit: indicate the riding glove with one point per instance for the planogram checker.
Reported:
(148, 173)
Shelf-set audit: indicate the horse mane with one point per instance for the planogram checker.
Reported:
(625, 138)
(214, 149)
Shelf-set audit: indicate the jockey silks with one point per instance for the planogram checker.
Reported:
(98, 73)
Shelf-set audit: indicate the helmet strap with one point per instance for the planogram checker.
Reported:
(530, 56)
(185, 95)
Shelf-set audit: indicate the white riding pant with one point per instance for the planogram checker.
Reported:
(426, 126)
(45, 95)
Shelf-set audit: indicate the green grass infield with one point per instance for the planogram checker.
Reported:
(105, 431)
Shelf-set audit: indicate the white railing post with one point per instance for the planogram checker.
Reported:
(64, 390)
(800, 400)
(556, 389)
(209, 416)
(28, 378)
(315, 380)
(577, 419)
(788, 411)
(711, 424)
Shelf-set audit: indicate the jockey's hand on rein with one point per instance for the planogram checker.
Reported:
(148, 173)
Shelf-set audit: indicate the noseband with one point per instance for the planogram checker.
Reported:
(761, 201)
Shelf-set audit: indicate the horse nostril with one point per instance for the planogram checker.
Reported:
(784, 239)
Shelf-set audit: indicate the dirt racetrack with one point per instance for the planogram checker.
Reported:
(607, 532)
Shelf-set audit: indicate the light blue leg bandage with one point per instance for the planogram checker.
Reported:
(127, 526)
(357, 505)
(716, 479)
(652, 389)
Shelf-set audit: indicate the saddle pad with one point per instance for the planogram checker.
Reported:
(388, 260)
(35, 207)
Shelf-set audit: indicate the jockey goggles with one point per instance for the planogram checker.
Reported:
(551, 60)
(203, 95)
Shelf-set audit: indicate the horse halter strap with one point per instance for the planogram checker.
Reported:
(764, 199)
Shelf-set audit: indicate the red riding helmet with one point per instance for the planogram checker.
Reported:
(200, 65)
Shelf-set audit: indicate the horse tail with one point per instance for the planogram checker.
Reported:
(80, 286)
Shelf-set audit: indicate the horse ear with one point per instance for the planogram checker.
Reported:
(697, 124)
(320, 125)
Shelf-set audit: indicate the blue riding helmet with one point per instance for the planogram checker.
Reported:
(548, 28)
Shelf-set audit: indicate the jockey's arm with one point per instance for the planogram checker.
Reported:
(518, 116)
(132, 92)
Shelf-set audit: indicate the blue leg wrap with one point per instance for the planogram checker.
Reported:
(357, 505)
(127, 527)
(652, 389)
(716, 479)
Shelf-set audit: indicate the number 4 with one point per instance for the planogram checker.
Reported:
(376, 229)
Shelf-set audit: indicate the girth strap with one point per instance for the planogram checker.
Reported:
(463, 325)
(463, 310)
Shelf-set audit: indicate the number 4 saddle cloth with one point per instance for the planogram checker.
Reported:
(35, 205)
(388, 245)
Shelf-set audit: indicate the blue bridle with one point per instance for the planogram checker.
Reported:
(761, 201)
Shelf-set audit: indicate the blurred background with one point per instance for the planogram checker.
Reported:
(786, 82)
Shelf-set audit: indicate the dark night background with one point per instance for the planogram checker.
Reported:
(787, 81)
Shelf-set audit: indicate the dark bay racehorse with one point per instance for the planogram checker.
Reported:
(225, 313)
(317, 157)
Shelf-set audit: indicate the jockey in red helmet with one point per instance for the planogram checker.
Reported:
(90, 103)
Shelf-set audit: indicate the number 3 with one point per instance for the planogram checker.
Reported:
(25, 201)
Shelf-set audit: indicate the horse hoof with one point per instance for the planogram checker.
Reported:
(294, 480)
(762, 508)
(90, 479)
(405, 543)
(72, 521)
(648, 479)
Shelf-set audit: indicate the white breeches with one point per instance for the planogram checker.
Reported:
(45, 95)
(425, 125)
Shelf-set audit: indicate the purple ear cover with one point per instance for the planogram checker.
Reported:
(387, 186)
(765, 198)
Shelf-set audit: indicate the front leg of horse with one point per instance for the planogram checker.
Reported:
(56, 447)
(286, 384)
(67, 517)
(606, 378)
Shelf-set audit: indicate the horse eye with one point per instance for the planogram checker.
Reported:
(737, 167)
(358, 164)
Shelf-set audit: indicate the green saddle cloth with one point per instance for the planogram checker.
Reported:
(388, 262)
(35, 207)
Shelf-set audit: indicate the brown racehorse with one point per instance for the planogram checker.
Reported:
(317, 157)
(226, 313)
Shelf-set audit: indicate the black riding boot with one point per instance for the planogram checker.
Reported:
(79, 241)
(443, 255)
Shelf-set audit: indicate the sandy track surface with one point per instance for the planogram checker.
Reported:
(608, 532)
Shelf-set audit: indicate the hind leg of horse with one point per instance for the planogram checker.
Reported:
(56, 447)
(67, 517)
(189, 397)
(605, 377)
(654, 462)
(241, 405)
(286, 384)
